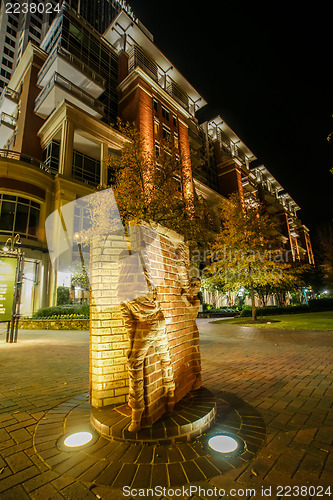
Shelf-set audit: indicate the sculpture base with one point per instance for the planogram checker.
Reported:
(191, 417)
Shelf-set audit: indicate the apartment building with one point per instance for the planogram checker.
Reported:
(96, 61)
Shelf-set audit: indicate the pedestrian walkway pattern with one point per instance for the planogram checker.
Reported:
(120, 462)
(286, 377)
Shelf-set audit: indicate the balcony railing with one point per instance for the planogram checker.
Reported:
(8, 120)
(9, 94)
(175, 91)
(72, 89)
(15, 155)
(138, 58)
(224, 141)
(74, 61)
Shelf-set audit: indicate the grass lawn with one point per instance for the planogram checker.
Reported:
(306, 321)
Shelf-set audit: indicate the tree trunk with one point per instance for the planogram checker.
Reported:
(253, 303)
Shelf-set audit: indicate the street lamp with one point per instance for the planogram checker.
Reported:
(9, 248)
(12, 242)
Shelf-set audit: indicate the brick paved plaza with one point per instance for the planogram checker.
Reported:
(285, 376)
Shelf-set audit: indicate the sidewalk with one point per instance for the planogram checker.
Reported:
(285, 376)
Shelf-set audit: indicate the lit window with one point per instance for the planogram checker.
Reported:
(176, 140)
(156, 128)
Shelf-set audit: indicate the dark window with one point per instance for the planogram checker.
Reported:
(157, 149)
(174, 120)
(155, 104)
(10, 41)
(8, 52)
(19, 215)
(13, 21)
(36, 23)
(6, 62)
(5, 73)
(11, 31)
(165, 113)
(166, 134)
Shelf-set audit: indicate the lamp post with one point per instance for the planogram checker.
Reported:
(10, 249)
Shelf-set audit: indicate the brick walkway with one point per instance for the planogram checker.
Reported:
(286, 376)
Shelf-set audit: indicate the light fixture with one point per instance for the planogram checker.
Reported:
(78, 439)
(223, 443)
(75, 441)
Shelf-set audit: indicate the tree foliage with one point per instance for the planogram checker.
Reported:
(247, 252)
(325, 240)
(149, 187)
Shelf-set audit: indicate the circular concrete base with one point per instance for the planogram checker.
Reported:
(191, 417)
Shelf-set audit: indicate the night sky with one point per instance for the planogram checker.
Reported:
(268, 74)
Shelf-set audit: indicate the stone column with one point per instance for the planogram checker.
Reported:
(104, 169)
(66, 149)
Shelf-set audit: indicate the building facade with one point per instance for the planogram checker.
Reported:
(92, 62)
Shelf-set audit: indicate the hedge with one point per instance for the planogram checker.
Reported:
(313, 306)
(62, 310)
(271, 310)
(321, 304)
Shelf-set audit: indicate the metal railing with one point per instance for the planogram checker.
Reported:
(73, 89)
(74, 61)
(138, 58)
(175, 91)
(15, 155)
(8, 120)
(8, 93)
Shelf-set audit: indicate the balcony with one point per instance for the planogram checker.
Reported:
(58, 89)
(7, 127)
(17, 156)
(8, 101)
(249, 185)
(138, 58)
(175, 91)
(70, 67)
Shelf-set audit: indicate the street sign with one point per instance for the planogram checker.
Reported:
(7, 286)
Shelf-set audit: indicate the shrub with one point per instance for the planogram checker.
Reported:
(62, 310)
(271, 310)
(226, 309)
(63, 296)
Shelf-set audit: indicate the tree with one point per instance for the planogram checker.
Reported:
(150, 187)
(247, 253)
(325, 240)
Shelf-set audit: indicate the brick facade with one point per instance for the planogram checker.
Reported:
(167, 259)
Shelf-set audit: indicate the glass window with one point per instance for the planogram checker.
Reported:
(19, 215)
(166, 134)
(22, 213)
(33, 222)
(7, 216)
(165, 113)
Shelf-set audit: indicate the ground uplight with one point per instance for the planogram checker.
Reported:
(78, 439)
(223, 443)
